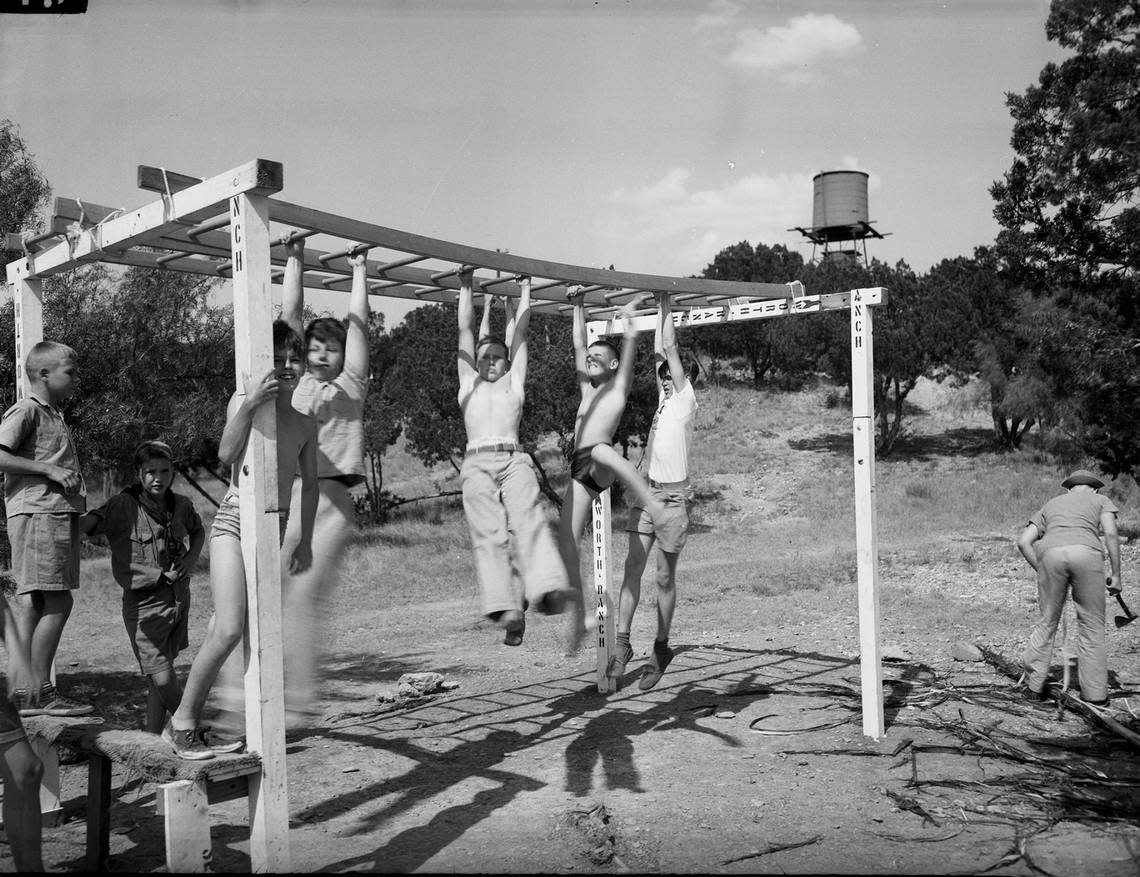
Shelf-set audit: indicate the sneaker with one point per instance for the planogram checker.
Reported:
(187, 744)
(52, 703)
(662, 655)
(217, 745)
(513, 631)
(623, 654)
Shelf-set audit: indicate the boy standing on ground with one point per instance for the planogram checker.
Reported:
(296, 449)
(500, 488)
(155, 537)
(667, 453)
(604, 378)
(332, 392)
(20, 768)
(45, 494)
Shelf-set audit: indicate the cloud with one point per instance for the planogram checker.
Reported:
(791, 49)
(720, 13)
(672, 227)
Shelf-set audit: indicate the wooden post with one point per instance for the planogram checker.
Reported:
(260, 515)
(186, 818)
(866, 544)
(28, 305)
(51, 810)
(605, 607)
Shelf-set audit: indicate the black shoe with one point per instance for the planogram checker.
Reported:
(623, 654)
(552, 603)
(662, 656)
(513, 632)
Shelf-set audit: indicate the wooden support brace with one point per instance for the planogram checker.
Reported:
(99, 771)
(186, 818)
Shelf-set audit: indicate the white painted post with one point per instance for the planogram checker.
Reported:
(866, 544)
(604, 607)
(260, 515)
(186, 818)
(605, 604)
(28, 303)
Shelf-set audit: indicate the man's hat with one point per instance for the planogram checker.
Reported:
(1082, 476)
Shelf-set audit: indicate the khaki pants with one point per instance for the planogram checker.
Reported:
(504, 512)
(1081, 568)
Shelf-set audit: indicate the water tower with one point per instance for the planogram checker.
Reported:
(839, 220)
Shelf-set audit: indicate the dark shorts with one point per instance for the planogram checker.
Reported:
(582, 469)
(157, 621)
(671, 532)
(11, 728)
(45, 551)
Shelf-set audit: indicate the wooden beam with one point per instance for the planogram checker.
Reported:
(192, 205)
(461, 254)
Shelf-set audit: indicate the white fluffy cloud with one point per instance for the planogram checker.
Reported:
(671, 227)
(791, 50)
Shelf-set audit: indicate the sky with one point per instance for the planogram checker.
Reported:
(643, 135)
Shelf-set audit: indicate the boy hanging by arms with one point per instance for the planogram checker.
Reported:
(500, 489)
(155, 536)
(605, 377)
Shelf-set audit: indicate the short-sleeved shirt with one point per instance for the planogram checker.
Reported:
(144, 543)
(35, 430)
(668, 447)
(338, 408)
(1072, 519)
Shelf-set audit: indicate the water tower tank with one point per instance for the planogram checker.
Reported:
(839, 205)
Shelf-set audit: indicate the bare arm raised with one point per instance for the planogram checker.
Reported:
(516, 334)
(574, 295)
(293, 290)
(666, 342)
(356, 341)
(624, 377)
(466, 312)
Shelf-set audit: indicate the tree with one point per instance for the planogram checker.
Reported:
(382, 425)
(1070, 220)
(156, 361)
(23, 189)
(1067, 205)
(766, 345)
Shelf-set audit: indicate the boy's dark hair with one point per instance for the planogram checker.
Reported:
(498, 342)
(326, 329)
(286, 336)
(615, 351)
(691, 366)
(152, 449)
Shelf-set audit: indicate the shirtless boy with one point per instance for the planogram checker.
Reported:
(500, 488)
(604, 378)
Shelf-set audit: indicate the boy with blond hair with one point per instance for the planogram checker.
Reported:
(44, 494)
(155, 536)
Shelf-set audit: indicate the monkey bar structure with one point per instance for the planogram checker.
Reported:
(230, 226)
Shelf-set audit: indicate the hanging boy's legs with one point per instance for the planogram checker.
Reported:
(22, 772)
(577, 504)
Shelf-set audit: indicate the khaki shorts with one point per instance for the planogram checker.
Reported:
(674, 529)
(157, 621)
(45, 551)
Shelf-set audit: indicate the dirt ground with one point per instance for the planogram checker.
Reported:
(748, 757)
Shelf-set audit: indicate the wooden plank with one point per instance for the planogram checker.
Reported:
(461, 254)
(227, 790)
(98, 812)
(260, 511)
(866, 542)
(186, 820)
(194, 204)
(51, 810)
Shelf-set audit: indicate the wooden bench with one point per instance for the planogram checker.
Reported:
(185, 788)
